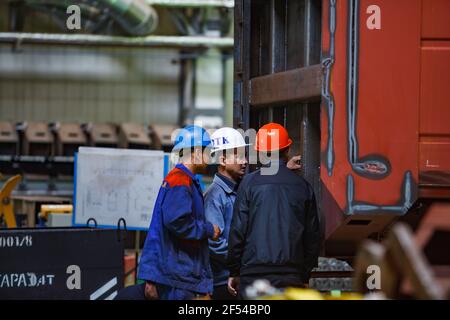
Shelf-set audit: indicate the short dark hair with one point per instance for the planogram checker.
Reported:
(282, 152)
(192, 149)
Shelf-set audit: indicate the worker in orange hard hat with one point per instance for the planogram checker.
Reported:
(228, 150)
(272, 137)
(274, 233)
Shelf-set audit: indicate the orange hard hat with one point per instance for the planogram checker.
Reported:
(272, 137)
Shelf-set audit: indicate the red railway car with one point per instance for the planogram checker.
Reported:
(363, 88)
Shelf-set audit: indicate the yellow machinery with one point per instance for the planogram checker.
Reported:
(6, 205)
(46, 209)
(310, 294)
(56, 215)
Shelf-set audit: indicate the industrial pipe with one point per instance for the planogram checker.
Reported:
(136, 17)
(18, 38)
(192, 3)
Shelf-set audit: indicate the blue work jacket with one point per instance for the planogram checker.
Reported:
(219, 201)
(176, 253)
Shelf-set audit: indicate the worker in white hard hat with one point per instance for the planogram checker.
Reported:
(228, 151)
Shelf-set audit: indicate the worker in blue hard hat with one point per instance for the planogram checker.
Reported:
(175, 259)
(228, 152)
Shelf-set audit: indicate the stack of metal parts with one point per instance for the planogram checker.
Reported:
(37, 139)
(133, 136)
(41, 139)
(330, 284)
(43, 153)
(69, 136)
(9, 140)
(102, 135)
(161, 136)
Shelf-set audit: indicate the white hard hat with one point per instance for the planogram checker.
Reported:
(226, 138)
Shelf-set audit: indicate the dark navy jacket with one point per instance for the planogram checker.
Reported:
(176, 249)
(275, 226)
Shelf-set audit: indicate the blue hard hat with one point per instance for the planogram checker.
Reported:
(192, 136)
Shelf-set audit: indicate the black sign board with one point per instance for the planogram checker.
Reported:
(60, 263)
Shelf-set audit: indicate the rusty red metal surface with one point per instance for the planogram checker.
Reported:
(435, 19)
(434, 127)
(386, 115)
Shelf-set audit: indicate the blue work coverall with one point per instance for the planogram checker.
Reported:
(219, 201)
(175, 255)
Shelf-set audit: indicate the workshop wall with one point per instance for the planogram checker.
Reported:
(89, 84)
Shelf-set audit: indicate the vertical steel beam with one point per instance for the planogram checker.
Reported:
(242, 20)
(310, 125)
(278, 9)
(186, 93)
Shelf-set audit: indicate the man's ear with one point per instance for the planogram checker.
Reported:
(288, 151)
(221, 160)
(198, 155)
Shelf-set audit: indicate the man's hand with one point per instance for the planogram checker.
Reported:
(150, 291)
(294, 163)
(233, 285)
(216, 232)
